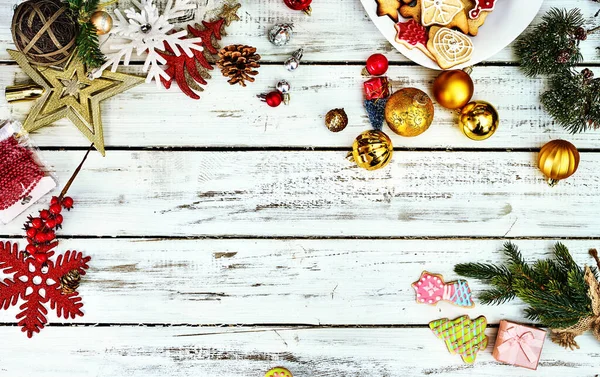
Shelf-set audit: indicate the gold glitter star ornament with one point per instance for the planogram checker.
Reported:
(70, 93)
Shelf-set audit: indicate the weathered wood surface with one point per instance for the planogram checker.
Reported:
(232, 117)
(302, 282)
(319, 193)
(337, 31)
(234, 352)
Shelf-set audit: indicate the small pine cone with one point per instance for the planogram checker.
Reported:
(563, 56)
(587, 74)
(580, 34)
(239, 63)
(70, 282)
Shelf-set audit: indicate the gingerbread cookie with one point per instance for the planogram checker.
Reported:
(449, 47)
(412, 9)
(439, 12)
(462, 335)
(431, 289)
(388, 8)
(481, 5)
(460, 21)
(412, 34)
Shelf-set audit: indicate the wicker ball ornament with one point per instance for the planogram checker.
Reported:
(44, 31)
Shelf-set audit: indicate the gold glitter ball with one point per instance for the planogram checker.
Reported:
(336, 120)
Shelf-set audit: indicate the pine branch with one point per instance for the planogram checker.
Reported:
(573, 100)
(88, 49)
(480, 271)
(553, 45)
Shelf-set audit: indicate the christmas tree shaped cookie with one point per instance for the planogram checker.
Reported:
(462, 335)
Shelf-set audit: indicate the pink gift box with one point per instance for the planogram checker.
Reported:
(519, 345)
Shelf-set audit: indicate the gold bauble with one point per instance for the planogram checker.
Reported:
(336, 120)
(372, 150)
(453, 89)
(558, 160)
(478, 120)
(102, 21)
(409, 112)
(279, 372)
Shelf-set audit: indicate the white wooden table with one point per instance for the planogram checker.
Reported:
(228, 237)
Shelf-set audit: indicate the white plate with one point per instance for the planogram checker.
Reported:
(508, 20)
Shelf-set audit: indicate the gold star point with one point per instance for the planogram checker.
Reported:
(229, 13)
(70, 93)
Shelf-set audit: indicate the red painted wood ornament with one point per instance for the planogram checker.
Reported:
(303, 5)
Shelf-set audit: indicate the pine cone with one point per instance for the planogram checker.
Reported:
(580, 34)
(70, 281)
(238, 62)
(563, 56)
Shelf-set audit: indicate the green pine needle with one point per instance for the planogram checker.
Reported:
(555, 290)
(573, 100)
(538, 50)
(88, 49)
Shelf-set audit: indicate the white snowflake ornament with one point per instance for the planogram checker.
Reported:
(144, 31)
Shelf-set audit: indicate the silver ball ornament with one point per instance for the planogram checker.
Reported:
(281, 34)
(293, 62)
(283, 86)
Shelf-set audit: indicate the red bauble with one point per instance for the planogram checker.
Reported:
(303, 5)
(377, 65)
(274, 99)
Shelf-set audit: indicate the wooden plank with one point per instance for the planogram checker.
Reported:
(270, 193)
(316, 282)
(141, 118)
(337, 31)
(230, 352)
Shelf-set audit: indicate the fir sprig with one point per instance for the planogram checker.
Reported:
(555, 290)
(553, 45)
(88, 49)
(573, 100)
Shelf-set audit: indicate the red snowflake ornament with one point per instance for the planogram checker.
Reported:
(38, 284)
(189, 72)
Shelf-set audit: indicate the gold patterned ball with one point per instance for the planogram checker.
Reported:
(558, 160)
(409, 112)
(478, 120)
(102, 21)
(453, 89)
(372, 150)
(279, 372)
(336, 120)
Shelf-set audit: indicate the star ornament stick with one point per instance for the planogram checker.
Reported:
(70, 93)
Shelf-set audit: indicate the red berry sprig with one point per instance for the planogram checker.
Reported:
(40, 231)
(41, 234)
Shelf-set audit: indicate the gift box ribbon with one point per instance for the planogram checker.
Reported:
(514, 342)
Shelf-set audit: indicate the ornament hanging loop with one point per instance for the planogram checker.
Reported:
(468, 70)
(552, 182)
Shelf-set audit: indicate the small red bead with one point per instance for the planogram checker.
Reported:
(31, 232)
(274, 99)
(44, 214)
(55, 209)
(37, 223)
(50, 223)
(54, 200)
(40, 237)
(67, 202)
(41, 257)
(377, 64)
(58, 219)
(30, 249)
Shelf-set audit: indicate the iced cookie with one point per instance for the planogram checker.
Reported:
(462, 336)
(481, 5)
(449, 47)
(460, 21)
(439, 12)
(412, 9)
(412, 34)
(431, 289)
(388, 8)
